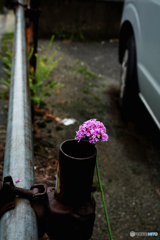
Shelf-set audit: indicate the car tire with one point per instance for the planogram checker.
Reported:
(128, 81)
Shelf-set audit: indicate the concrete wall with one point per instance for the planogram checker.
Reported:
(95, 19)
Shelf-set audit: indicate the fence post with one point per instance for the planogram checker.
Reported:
(19, 223)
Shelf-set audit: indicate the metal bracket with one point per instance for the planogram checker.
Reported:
(74, 222)
(6, 195)
(37, 195)
(57, 219)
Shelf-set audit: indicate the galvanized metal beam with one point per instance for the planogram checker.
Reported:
(19, 223)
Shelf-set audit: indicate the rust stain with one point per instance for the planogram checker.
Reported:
(28, 33)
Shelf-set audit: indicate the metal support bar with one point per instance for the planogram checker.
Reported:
(19, 223)
(35, 4)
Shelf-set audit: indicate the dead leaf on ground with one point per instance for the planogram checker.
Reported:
(50, 157)
(37, 109)
(36, 129)
(49, 167)
(158, 191)
(49, 115)
(4, 131)
(63, 101)
(6, 106)
(57, 92)
(67, 40)
(57, 119)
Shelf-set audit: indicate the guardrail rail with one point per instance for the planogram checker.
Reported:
(19, 223)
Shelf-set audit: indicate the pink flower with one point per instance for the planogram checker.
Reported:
(92, 130)
(17, 180)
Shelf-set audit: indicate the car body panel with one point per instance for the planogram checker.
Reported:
(144, 16)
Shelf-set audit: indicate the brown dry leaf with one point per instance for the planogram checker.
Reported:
(63, 101)
(6, 106)
(49, 167)
(57, 92)
(50, 110)
(36, 129)
(67, 40)
(116, 40)
(50, 115)
(4, 131)
(57, 119)
(44, 178)
(31, 68)
(37, 109)
(41, 169)
(158, 191)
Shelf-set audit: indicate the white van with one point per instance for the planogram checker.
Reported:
(139, 56)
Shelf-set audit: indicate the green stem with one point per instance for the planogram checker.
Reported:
(103, 201)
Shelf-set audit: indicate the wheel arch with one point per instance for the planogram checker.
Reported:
(125, 32)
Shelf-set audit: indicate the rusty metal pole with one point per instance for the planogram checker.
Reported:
(19, 223)
(35, 4)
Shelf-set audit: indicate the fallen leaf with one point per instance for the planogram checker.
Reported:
(41, 169)
(63, 101)
(57, 92)
(36, 129)
(50, 115)
(67, 40)
(57, 119)
(4, 131)
(6, 106)
(50, 110)
(49, 167)
(37, 109)
(158, 191)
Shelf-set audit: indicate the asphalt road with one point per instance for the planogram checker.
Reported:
(102, 57)
(129, 161)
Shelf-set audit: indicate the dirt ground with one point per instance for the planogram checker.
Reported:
(129, 162)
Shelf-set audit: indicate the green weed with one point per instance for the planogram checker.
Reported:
(6, 56)
(41, 83)
(8, 36)
(60, 35)
(74, 36)
(77, 36)
(85, 72)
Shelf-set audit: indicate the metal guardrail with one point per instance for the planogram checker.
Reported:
(19, 223)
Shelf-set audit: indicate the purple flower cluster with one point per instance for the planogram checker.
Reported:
(93, 130)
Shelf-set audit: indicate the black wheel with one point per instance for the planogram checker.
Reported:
(128, 81)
